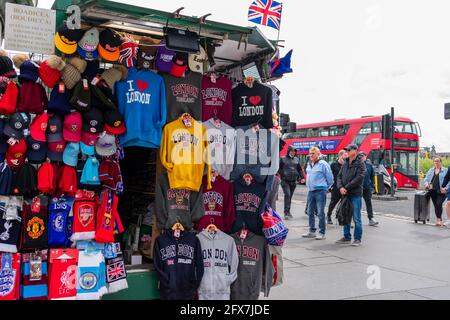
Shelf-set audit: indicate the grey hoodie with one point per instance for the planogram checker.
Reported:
(177, 205)
(255, 272)
(220, 260)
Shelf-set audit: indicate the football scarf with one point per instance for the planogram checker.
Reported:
(10, 222)
(108, 219)
(63, 274)
(9, 276)
(84, 211)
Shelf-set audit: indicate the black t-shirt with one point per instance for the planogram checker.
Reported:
(436, 184)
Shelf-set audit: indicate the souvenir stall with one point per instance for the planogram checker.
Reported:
(144, 150)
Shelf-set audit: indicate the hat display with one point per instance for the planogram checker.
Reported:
(59, 101)
(29, 71)
(164, 59)
(106, 145)
(56, 150)
(16, 125)
(89, 139)
(147, 56)
(109, 45)
(198, 62)
(93, 121)
(70, 155)
(15, 155)
(114, 74)
(36, 151)
(72, 127)
(88, 150)
(81, 97)
(90, 175)
(55, 128)
(128, 52)
(32, 98)
(114, 122)
(70, 76)
(38, 127)
(8, 101)
(66, 39)
(179, 65)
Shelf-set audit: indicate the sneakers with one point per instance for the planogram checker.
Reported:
(320, 237)
(343, 241)
(309, 235)
(373, 223)
(329, 221)
(356, 243)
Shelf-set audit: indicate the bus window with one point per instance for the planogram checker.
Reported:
(333, 131)
(405, 127)
(366, 129)
(302, 133)
(324, 132)
(376, 127)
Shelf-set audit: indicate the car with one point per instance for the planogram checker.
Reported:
(386, 179)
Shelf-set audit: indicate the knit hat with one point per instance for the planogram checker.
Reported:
(16, 125)
(6, 176)
(90, 175)
(68, 182)
(6, 66)
(25, 181)
(66, 39)
(70, 76)
(50, 70)
(70, 156)
(78, 63)
(100, 100)
(114, 122)
(109, 45)
(106, 145)
(81, 97)
(56, 150)
(29, 71)
(88, 150)
(20, 58)
(128, 52)
(59, 100)
(72, 127)
(8, 101)
(32, 98)
(15, 155)
(164, 59)
(36, 150)
(38, 127)
(147, 56)
(55, 128)
(93, 121)
(45, 178)
(92, 70)
(115, 74)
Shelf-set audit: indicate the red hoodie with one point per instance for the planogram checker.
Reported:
(219, 205)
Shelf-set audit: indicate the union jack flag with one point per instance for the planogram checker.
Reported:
(266, 12)
(115, 271)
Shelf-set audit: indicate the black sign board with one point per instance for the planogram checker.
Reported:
(447, 111)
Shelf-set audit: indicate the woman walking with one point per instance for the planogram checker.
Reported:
(433, 184)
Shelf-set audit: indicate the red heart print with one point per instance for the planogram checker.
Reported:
(255, 100)
(142, 85)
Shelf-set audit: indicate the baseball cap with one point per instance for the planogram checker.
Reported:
(36, 150)
(56, 150)
(164, 59)
(198, 62)
(93, 121)
(54, 128)
(106, 145)
(87, 55)
(90, 40)
(114, 122)
(87, 149)
(72, 127)
(351, 146)
(363, 153)
(70, 155)
(66, 39)
(179, 65)
(109, 44)
(89, 139)
(16, 125)
(15, 155)
(38, 127)
(81, 97)
(59, 101)
(90, 175)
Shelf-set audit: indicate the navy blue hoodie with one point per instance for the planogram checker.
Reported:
(179, 265)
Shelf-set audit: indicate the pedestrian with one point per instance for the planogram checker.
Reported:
(434, 180)
(319, 180)
(308, 161)
(446, 190)
(335, 194)
(350, 183)
(290, 173)
(368, 188)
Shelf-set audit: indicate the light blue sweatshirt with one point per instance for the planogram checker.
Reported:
(142, 101)
(319, 176)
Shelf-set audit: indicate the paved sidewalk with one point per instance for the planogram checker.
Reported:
(413, 259)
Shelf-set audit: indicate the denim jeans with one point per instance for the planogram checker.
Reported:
(357, 204)
(316, 205)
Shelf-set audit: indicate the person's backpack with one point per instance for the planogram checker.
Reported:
(344, 212)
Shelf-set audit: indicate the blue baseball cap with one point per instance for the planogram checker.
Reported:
(351, 147)
(87, 55)
(87, 150)
(70, 155)
(36, 151)
(90, 175)
(59, 102)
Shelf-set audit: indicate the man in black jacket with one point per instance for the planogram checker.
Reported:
(335, 193)
(350, 183)
(290, 173)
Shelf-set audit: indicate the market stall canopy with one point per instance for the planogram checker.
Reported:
(235, 44)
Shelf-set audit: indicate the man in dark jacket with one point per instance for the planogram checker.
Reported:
(350, 183)
(290, 172)
(369, 186)
(335, 194)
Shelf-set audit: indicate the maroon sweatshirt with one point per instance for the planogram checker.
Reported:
(219, 205)
(216, 99)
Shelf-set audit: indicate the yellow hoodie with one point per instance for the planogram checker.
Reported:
(184, 154)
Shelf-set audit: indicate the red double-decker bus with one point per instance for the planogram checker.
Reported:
(366, 132)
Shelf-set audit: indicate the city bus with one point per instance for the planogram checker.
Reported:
(333, 136)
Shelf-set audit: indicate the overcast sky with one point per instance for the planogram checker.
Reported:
(354, 57)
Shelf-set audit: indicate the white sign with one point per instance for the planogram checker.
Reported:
(29, 29)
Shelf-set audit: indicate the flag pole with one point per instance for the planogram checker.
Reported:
(279, 29)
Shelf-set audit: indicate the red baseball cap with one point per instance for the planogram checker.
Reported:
(38, 128)
(90, 139)
(72, 127)
(56, 150)
(16, 154)
(179, 65)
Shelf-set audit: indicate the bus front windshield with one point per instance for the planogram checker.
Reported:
(405, 127)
